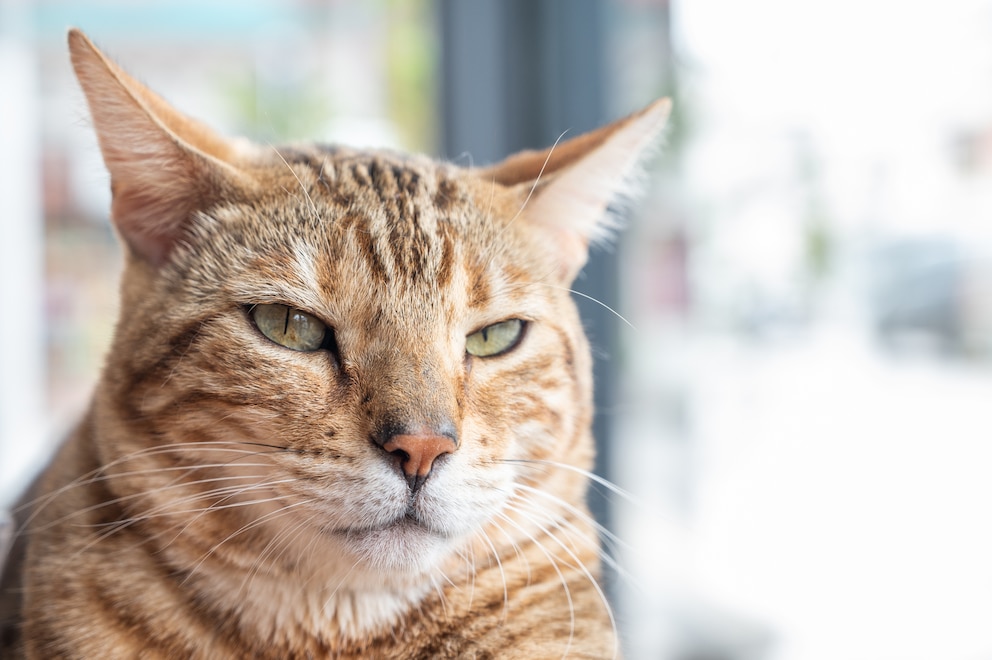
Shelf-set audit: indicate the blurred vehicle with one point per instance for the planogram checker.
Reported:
(932, 292)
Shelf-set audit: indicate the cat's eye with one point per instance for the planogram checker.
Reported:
(495, 339)
(290, 327)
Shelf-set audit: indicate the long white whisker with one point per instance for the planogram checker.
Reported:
(537, 180)
(337, 587)
(530, 193)
(231, 492)
(285, 510)
(580, 566)
(591, 299)
(574, 510)
(613, 488)
(604, 556)
(166, 509)
(133, 496)
(561, 576)
(499, 564)
(313, 207)
(273, 544)
(469, 558)
(39, 503)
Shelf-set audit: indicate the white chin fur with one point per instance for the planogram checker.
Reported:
(404, 548)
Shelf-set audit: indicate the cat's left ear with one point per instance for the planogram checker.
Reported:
(569, 186)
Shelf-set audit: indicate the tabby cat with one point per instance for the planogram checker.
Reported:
(346, 412)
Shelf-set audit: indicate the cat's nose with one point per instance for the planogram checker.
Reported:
(417, 453)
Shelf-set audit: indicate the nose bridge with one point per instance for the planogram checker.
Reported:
(410, 391)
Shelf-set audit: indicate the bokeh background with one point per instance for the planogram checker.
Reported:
(796, 387)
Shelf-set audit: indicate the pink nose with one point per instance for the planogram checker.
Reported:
(417, 454)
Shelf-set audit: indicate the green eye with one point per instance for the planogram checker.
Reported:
(494, 339)
(289, 327)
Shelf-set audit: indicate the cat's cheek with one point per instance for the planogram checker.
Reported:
(364, 495)
(544, 423)
(535, 439)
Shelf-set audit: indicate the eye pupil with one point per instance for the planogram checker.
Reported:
(290, 327)
(495, 339)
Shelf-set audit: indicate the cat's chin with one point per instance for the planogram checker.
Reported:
(402, 545)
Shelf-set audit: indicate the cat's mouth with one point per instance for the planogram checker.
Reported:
(410, 521)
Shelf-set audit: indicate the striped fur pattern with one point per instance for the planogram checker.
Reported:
(226, 497)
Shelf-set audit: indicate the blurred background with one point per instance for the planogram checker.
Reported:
(796, 389)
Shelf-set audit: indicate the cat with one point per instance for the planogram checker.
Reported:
(346, 411)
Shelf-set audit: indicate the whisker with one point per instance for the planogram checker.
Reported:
(233, 491)
(165, 509)
(580, 566)
(313, 207)
(614, 542)
(337, 588)
(132, 496)
(561, 577)
(256, 567)
(502, 574)
(537, 180)
(616, 545)
(516, 548)
(38, 504)
(285, 510)
(609, 485)
(530, 194)
(574, 510)
(440, 594)
(589, 298)
(468, 556)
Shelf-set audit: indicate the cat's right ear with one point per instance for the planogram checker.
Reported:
(164, 167)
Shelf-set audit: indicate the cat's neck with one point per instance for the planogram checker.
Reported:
(276, 608)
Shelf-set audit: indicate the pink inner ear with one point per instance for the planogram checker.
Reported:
(153, 197)
(571, 200)
(153, 249)
(149, 240)
(573, 252)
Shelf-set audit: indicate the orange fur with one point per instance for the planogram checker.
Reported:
(226, 497)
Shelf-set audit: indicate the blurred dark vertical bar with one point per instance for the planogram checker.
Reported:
(517, 74)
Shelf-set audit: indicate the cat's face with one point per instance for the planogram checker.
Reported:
(424, 313)
(344, 359)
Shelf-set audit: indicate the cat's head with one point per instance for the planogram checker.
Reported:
(324, 348)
